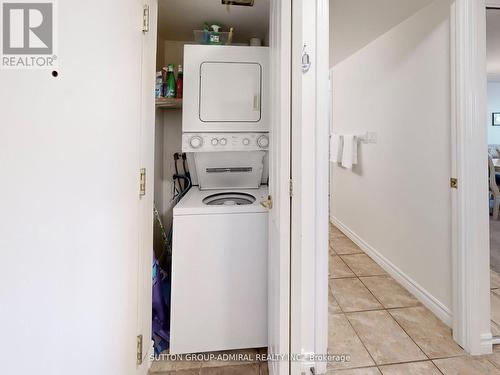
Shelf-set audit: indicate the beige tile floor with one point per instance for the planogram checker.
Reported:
(384, 328)
(374, 320)
(495, 303)
(183, 367)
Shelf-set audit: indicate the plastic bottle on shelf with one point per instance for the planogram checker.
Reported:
(159, 85)
(164, 81)
(170, 82)
(215, 37)
(178, 86)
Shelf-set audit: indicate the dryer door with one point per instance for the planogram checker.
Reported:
(230, 92)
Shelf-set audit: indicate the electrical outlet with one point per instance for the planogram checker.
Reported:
(371, 137)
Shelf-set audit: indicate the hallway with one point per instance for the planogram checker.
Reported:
(384, 328)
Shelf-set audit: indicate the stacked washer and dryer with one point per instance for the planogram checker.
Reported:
(220, 242)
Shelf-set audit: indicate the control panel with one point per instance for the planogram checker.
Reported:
(213, 142)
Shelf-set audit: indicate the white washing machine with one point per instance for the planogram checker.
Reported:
(219, 271)
(220, 242)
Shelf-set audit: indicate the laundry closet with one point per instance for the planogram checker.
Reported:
(211, 176)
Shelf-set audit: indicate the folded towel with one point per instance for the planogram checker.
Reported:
(350, 151)
(336, 142)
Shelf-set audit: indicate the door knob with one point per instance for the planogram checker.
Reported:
(267, 203)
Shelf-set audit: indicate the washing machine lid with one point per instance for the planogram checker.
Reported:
(231, 198)
(193, 203)
(229, 170)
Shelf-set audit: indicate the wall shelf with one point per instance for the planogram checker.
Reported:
(168, 103)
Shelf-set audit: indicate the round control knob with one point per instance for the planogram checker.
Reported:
(223, 141)
(263, 141)
(246, 141)
(196, 141)
(215, 141)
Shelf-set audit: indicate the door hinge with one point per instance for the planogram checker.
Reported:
(145, 19)
(139, 350)
(454, 183)
(142, 182)
(290, 188)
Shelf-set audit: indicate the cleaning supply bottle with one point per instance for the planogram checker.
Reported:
(159, 85)
(206, 33)
(215, 35)
(178, 86)
(164, 82)
(170, 84)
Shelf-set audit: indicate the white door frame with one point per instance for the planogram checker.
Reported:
(279, 176)
(470, 227)
(145, 225)
(310, 172)
(493, 3)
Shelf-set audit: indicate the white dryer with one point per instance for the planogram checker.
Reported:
(225, 89)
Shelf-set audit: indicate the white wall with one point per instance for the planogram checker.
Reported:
(168, 136)
(359, 22)
(168, 142)
(493, 106)
(397, 200)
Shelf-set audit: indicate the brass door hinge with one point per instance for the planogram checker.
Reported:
(139, 350)
(142, 182)
(454, 183)
(145, 19)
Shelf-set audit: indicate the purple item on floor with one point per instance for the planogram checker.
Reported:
(160, 332)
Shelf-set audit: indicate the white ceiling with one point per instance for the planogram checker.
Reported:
(356, 23)
(493, 43)
(178, 18)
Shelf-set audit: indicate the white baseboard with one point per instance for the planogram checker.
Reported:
(486, 341)
(493, 3)
(427, 299)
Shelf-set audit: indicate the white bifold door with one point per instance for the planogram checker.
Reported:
(298, 220)
(75, 235)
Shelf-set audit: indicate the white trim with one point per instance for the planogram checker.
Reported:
(493, 3)
(310, 165)
(470, 239)
(322, 180)
(487, 340)
(493, 77)
(427, 299)
(279, 167)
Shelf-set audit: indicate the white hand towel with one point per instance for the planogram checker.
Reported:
(350, 151)
(336, 143)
